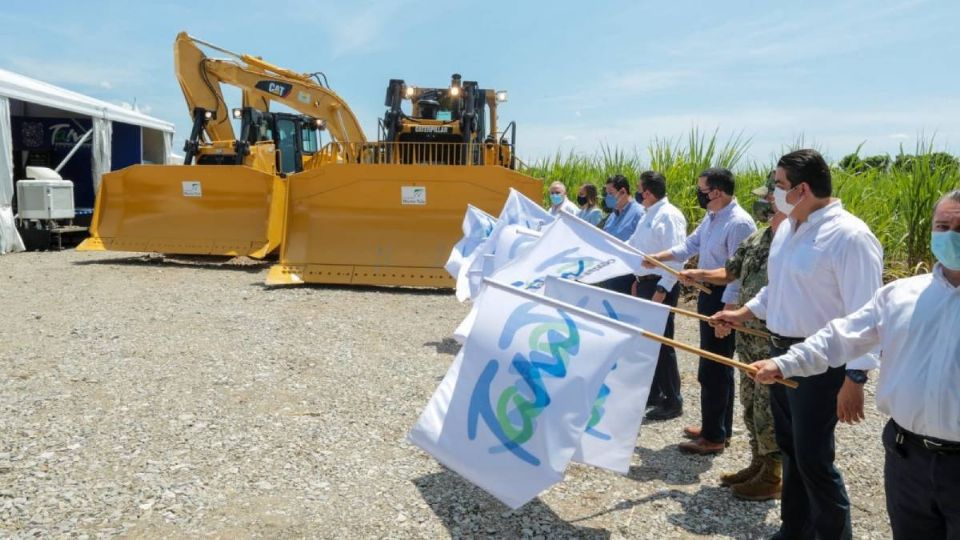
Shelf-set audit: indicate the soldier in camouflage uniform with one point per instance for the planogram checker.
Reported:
(760, 480)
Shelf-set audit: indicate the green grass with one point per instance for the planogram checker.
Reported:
(895, 200)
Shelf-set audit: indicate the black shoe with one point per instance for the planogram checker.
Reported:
(664, 412)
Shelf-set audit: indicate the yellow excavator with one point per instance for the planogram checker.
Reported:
(351, 211)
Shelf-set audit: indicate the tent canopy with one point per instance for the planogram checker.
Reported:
(20, 87)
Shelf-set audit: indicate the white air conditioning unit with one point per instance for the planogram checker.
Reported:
(44, 196)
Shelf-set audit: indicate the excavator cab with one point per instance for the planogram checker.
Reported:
(292, 138)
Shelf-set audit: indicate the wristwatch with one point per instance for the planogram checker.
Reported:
(858, 376)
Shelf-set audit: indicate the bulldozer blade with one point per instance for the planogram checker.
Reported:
(228, 210)
(393, 225)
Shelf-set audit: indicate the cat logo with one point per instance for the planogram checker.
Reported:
(432, 129)
(275, 87)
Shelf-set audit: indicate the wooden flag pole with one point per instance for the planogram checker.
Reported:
(738, 328)
(698, 286)
(711, 356)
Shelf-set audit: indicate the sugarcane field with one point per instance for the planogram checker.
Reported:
(625, 270)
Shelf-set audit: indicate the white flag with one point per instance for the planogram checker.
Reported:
(524, 388)
(477, 226)
(570, 248)
(518, 210)
(619, 407)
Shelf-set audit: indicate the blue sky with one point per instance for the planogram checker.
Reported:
(580, 74)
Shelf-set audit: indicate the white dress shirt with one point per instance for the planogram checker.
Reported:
(661, 227)
(567, 206)
(915, 322)
(828, 267)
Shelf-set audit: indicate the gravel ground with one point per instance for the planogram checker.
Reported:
(143, 397)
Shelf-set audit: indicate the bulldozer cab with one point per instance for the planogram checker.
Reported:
(462, 113)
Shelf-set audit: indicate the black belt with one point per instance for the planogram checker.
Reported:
(783, 342)
(648, 277)
(932, 444)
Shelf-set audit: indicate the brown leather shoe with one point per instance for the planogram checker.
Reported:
(764, 486)
(701, 446)
(693, 432)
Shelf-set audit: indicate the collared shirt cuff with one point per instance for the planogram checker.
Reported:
(677, 253)
(755, 307)
(667, 282)
(788, 365)
(865, 363)
(730, 295)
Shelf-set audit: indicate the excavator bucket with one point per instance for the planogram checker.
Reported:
(385, 224)
(200, 210)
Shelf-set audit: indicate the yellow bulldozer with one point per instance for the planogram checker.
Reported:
(350, 211)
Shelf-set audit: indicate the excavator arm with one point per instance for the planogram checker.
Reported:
(261, 83)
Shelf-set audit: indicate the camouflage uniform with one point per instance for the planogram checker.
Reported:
(749, 265)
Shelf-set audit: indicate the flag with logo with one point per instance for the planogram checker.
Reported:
(570, 248)
(618, 409)
(509, 415)
(518, 210)
(477, 226)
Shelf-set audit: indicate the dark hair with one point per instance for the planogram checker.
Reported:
(654, 182)
(720, 178)
(619, 182)
(591, 191)
(808, 166)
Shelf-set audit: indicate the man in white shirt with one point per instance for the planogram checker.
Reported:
(559, 200)
(824, 263)
(914, 321)
(661, 227)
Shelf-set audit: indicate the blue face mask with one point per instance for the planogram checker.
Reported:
(556, 198)
(611, 201)
(946, 248)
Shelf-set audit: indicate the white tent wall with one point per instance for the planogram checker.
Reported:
(156, 146)
(9, 237)
(102, 144)
(168, 149)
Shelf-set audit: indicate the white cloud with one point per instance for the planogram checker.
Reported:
(644, 81)
(73, 73)
(353, 27)
(836, 131)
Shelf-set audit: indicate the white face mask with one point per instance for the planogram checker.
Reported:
(780, 199)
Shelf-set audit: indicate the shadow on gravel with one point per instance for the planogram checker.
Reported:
(467, 510)
(235, 264)
(662, 465)
(447, 346)
(709, 511)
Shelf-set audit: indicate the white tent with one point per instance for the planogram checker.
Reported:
(15, 89)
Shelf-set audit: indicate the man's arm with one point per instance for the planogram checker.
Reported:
(716, 276)
(738, 233)
(859, 276)
(669, 231)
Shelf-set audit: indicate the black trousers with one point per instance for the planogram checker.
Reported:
(665, 388)
(620, 284)
(814, 501)
(923, 490)
(716, 380)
